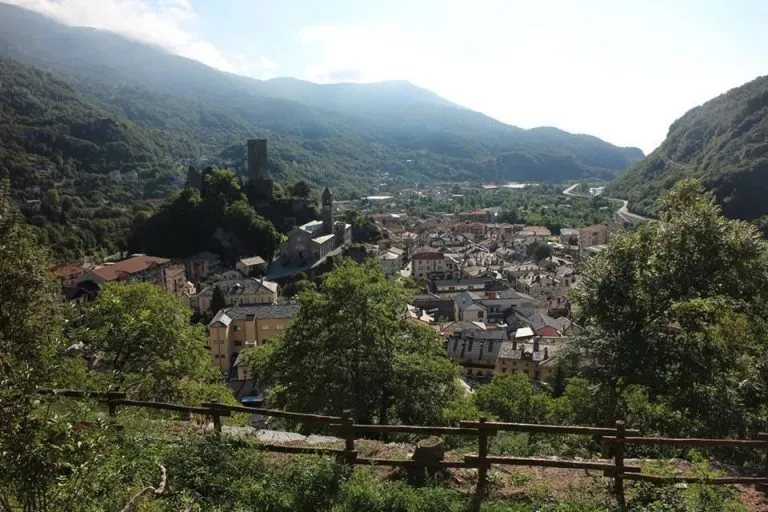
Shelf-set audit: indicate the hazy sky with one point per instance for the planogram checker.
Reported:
(622, 70)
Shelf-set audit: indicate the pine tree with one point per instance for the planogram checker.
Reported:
(218, 301)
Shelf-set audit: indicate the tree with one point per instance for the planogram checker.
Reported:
(352, 347)
(44, 457)
(222, 185)
(295, 288)
(364, 229)
(147, 345)
(218, 301)
(510, 397)
(542, 252)
(301, 190)
(681, 305)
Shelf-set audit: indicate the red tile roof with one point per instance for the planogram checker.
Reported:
(129, 266)
(427, 253)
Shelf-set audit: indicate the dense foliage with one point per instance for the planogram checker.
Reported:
(547, 206)
(78, 170)
(723, 143)
(351, 347)
(534, 205)
(217, 218)
(146, 346)
(364, 229)
(680, 309)
(348, 136)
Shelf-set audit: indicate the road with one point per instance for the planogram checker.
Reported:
(623, 214)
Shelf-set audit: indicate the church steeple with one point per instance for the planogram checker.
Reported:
(327, 211)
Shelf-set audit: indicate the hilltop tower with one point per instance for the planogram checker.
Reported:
(328, 212)
(258, 169)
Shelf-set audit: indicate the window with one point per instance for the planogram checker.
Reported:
(280, 327)
(238, 343)
(264, 327)
(479, 314)
(236, 328)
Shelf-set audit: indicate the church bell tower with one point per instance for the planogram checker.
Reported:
(328, 212)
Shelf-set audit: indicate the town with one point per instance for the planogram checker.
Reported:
(496, 292)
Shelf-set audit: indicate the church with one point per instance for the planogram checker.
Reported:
(310, 243)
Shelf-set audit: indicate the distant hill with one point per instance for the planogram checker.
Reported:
(44, 117)
(350, 136)
(76, 168)
(723, 142)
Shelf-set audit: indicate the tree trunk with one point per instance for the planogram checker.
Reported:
(426, 458)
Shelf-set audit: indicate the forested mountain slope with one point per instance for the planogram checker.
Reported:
(74, 166)
(723, 142)
(346, 135)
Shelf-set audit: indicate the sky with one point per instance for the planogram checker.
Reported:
(622, 70)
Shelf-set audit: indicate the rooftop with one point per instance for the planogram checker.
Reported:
(322, 239)
(253, 260)
(524, 332)
(389, 256)
(262, 311)
(312, 227)
(241, 286)
(129, 266)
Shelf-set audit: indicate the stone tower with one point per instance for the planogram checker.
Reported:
(258, 169)
(327, 212)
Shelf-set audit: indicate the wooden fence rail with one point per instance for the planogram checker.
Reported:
(483, 430)
(534, 428)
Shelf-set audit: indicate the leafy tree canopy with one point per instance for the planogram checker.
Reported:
(364, 229)
(679, 307)
(218, 219)
(352, 348)
(145, 343)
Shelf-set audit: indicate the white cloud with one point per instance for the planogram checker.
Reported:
(576, 79)
(358, 53)
(163, 23)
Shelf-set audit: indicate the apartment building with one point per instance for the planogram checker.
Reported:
(239, 327)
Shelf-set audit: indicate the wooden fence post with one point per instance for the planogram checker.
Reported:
(482, 453)
(618, 475)
(763, 436)
(348, 431)
(110, 404)
(215, 414)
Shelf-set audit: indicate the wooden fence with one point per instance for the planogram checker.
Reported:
(617, 436)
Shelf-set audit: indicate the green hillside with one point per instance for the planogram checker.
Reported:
(723, 142)
(350, 136)
(76, 168)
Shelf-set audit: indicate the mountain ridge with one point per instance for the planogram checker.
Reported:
(350, 136)
(723, 143)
